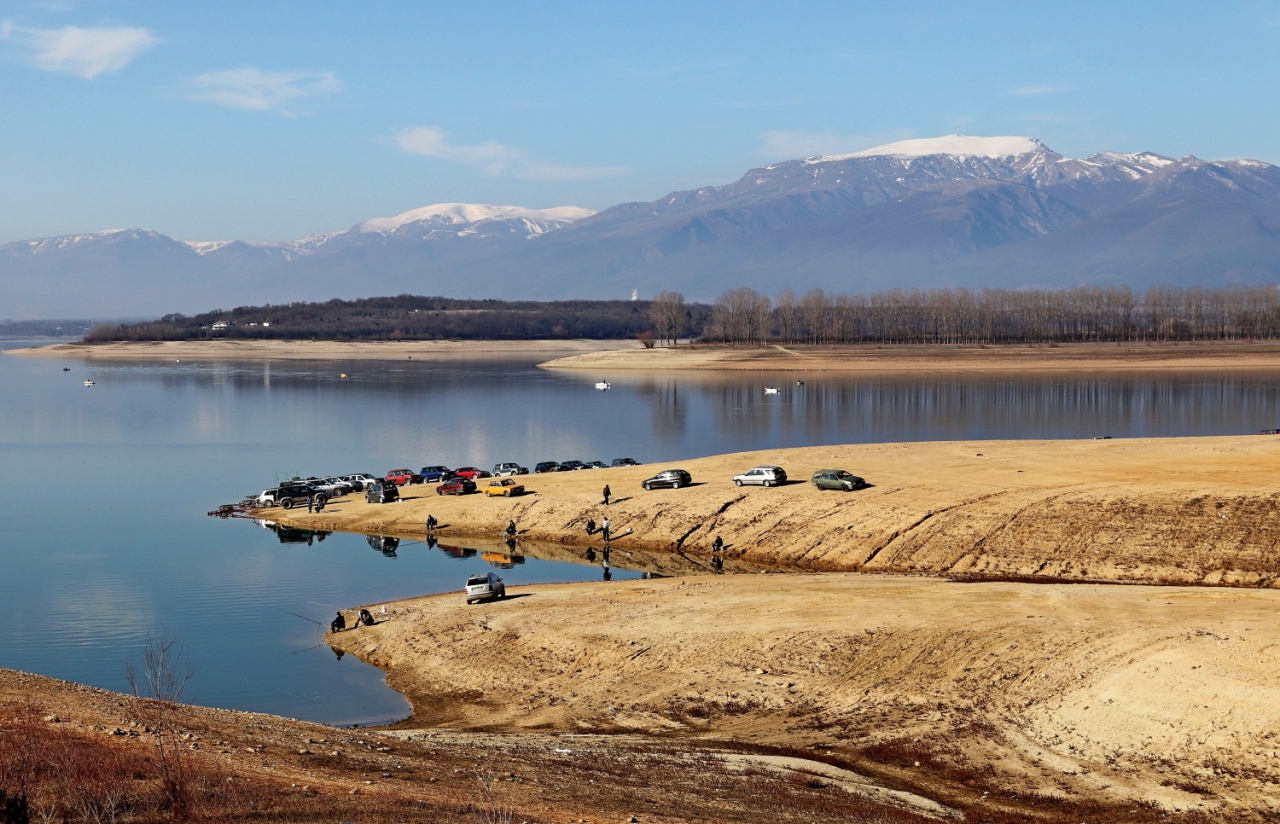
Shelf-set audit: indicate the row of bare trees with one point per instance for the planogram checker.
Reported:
(1081, 314)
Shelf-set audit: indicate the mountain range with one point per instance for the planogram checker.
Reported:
(949, 211)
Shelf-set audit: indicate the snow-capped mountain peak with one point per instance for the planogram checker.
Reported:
(953, 144)
(460, 214)
(204, 247)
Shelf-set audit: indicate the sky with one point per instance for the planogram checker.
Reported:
(268, 121)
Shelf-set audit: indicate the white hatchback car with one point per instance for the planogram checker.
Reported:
(480, 587)
(762, 475)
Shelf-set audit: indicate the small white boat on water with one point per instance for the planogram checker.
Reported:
(88, 383)
(771, 390)
(602, 384)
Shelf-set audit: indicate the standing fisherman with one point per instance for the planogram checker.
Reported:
(604, 527)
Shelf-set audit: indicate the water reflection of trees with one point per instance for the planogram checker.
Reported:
(668, 415)
(960, 407)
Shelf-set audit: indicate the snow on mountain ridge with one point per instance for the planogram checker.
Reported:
(953, 144)
(464, 213)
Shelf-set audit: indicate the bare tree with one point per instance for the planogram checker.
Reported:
(787, 314)
(669, 315)
(158, 685)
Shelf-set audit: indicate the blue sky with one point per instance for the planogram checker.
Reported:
(272, 120)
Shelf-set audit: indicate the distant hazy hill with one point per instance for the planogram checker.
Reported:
(950, 211)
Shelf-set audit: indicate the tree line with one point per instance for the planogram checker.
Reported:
(746, 316)
(405, 317)
(961, 316)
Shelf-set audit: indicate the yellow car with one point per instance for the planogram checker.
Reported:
(503, 486)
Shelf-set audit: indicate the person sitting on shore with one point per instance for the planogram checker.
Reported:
(511, 529)
(432, 523)
(591, 526)
(366, 618)
(717, 544)
(338, 624)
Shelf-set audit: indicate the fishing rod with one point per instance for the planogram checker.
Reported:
(305, 618)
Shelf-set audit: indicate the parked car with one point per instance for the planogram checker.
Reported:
(382, 493)
(674, 478)
(456, 486)
(470, 472)
(595, 465)
(341, 486)
(400, 477)
(504, 470)
(328, 486)
(431, 474)
(625, 462)
(837, 479)
(762, 475)
(546, 466)
(484, 586)
(360, 480)
(290, 494)
(505, 487)
(567, 466)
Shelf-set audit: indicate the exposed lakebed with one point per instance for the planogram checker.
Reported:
(104, 537)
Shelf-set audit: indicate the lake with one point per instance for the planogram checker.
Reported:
(104, 536)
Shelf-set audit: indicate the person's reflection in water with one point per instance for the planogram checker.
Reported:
(431, 542)
(591, 555)
(337, 653)
(607, 572)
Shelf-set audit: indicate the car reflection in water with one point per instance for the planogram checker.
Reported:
(501, 560)
(385, 544)
(293, 535)
(461, 553)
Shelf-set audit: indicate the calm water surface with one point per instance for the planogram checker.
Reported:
(104, 537)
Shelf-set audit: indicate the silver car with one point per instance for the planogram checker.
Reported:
(762, 475)
(484, 586)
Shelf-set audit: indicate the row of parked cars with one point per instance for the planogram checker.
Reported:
(760, 476)
(316, 490)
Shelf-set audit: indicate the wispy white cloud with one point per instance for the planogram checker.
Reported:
(790, 144)
(494, 159)
(261, 91)
(83, 52)
(1036, 91)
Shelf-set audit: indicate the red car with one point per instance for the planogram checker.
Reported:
(456, 486)
(400, 477)
(471, 472)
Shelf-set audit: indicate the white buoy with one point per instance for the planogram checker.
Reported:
(771, 390)
(602, 384)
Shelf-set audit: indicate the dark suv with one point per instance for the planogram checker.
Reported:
(674, 478)
(546, 466)
(625, 462)
(382, 493)
(289, 495)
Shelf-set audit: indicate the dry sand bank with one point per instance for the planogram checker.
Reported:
(1161, 510)
(282, 770)
(1096, 694)
(321, 350)
(873, 359)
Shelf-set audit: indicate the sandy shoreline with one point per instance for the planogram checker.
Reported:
(1105, 695)
(321, 350)
(873, 359)
(1165, 510)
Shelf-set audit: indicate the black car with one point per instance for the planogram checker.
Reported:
(382, 493)
(289, 495)
(625, 462)
(674, 478)
(568, 466)
(547, 466)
